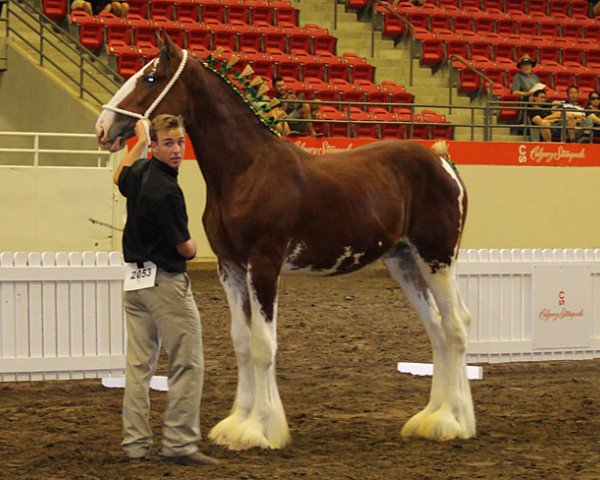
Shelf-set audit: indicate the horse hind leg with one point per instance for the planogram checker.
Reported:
(449, 413)
(229, 429)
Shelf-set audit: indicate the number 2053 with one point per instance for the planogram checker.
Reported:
(140, 273)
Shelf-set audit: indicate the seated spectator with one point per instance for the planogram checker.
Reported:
(120, 8)
(295, 110)
(595, 4)
(593, 118)
(542, 115)
(525, 80)
(573, 109)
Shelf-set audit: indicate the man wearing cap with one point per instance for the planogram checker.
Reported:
(525, 80)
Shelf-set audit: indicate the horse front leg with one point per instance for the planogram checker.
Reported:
(266, 425)
(228, 430)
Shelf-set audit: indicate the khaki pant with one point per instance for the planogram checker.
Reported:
(164, 314)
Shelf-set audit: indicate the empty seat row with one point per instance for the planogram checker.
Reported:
(439, 47)
(287, 38)
(380, 123)
(547, 7)
(247, 11)
(471, 19)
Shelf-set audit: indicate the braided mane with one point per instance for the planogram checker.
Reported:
(251, 90)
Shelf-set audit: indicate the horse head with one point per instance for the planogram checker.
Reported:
(151, 91)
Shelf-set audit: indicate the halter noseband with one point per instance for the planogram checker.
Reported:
(162, 95)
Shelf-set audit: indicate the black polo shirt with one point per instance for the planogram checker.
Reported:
(156, 216)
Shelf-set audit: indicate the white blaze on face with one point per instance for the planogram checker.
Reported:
(107, 117)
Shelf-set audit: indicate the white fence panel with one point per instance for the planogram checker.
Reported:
(498, 288)
(61, 316)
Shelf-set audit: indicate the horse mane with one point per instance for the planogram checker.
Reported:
(251, 90)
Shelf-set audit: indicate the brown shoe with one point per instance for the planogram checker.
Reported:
(192, 460)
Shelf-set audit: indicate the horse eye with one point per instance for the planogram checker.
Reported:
(149, 79)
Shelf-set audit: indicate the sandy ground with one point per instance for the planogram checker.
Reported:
(339, 342)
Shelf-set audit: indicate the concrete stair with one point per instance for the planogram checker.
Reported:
(63, 64)
(393, 61)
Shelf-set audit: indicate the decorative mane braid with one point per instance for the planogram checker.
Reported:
(268, 114)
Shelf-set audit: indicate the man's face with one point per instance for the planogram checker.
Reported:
(170, 146)
(526, 67)
(280, 88)
(541, 98)
(573, 95)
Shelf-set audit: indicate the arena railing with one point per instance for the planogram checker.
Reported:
(3, 34)
(49, 36)
(36, 149)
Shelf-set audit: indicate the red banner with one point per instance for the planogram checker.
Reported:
(471, 153)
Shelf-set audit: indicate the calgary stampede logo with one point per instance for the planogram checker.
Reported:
(550, 153)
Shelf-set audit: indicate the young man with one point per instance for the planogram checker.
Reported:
(295, 110)
(163, 311)
(541, 115)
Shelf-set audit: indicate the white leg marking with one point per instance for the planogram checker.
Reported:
(449, 413)
(235, 288)
(265, 425)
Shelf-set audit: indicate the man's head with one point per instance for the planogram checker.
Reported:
(279, 86)
(539, 96)
(573, 94)
(167, 137)
(526, 64)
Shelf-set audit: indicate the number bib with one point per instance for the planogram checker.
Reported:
(138, 278)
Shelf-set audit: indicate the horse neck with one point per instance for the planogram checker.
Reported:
(226, 135)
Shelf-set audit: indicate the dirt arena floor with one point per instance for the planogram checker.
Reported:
(340, 340)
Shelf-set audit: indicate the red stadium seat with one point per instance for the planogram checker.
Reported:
(162, 10)
(341, 126)
(336, 67)
(212, 9)
(285, 65)
(261, 12)
(284, 13)
(445, 132)
(261, 64)
(387, 130)
(372, 91)
(347, 91)
(173, 29)
(322, 41)
(397, 93)
(321, 90)
(248, 37)
(90, 29)
(116, 31)
(187, 11)
(454, 44)
(198, 35)
(538, 6)
(360, 129)
(359, 68)
(579, 7)
(274, 40)
(311, 66)
(54, 9)
(432, 48)
(129, 59)
(223, 36)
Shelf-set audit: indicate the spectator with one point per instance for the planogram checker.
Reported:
(595, 7)
(593, 118)
(541, 115)
(120, 8)
(295, 110)
(525, 80)
(574, 110)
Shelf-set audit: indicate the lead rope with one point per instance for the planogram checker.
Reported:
(146, 115)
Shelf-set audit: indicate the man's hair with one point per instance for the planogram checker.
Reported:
(277, 79)
(537, 93)
(165, 122)
(571, 87)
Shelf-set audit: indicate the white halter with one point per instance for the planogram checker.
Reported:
(162, 95)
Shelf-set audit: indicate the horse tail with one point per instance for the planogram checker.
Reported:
(441, 148)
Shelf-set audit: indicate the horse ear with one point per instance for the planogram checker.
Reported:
(166, 47)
